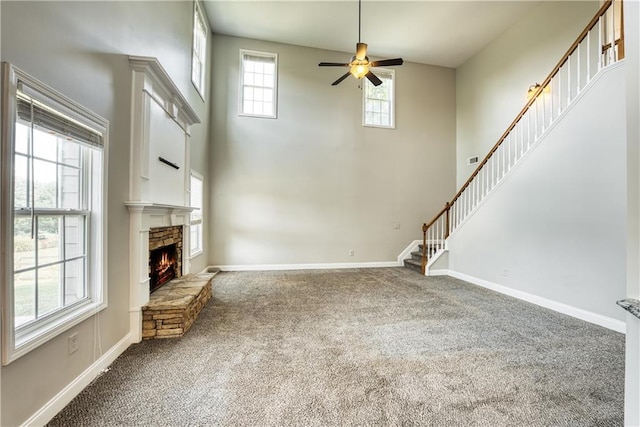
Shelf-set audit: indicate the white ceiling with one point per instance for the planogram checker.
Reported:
(444, 33)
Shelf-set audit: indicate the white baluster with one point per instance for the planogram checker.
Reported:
(588, 57)
(600, 43)
(551, 95)
(578, 68)
(544, 108)
(612, 52)
(568, 80)
(560, 91)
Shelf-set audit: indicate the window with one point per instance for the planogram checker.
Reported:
(199, 54)
(196, 196)
(258, 83)
(379, 102)
(53, 215)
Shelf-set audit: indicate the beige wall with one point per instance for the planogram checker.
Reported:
(492, 86)
(314, 183)
(80, 49)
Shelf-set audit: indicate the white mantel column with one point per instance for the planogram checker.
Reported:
(139, 279)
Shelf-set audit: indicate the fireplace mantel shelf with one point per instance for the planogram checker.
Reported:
(150, 207)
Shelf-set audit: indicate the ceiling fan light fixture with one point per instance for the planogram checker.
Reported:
(359, 69)
(360, 66)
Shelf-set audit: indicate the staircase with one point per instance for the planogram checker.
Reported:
(600, 45)
(415, 262)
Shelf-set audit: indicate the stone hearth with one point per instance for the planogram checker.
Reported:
(172, 309)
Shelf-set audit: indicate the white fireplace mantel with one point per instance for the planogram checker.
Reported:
(159, 172)
(157, 208)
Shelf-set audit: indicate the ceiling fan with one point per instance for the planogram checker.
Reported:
(360, 66)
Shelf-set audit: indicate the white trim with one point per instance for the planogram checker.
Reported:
(319, 266)
(200, 249)
(443, 272)
(155, 81)
(271, 55)
(406, 253)
(392, 103)
(15, 342)
(578, 313)
(202, 15)
(435, 257)
(67, 394)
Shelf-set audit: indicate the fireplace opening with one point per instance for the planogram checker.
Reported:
(163, 265)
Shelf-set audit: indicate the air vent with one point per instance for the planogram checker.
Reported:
(472, 160)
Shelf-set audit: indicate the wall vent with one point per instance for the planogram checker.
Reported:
(472, 160)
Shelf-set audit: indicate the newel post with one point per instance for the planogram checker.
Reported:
(446, 229)
(423, 267)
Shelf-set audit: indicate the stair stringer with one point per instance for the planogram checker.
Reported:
(438, 265)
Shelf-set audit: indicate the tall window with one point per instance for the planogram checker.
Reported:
(199, 54)
(379, 102)
(258, 83)
(196, 196)
(53, 215)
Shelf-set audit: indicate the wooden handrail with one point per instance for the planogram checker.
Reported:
(533, 99)
(603, 10)
(429, 224)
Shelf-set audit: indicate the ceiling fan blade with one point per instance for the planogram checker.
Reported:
(373, 78)
(337, 82)
(387, 62)
(332, 64)
(361, 51)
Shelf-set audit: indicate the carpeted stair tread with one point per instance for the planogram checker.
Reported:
(413, 264)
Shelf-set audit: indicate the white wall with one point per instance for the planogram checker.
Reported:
(313, 184)
(492, 86)
(557, 224)
(632, 65)
(80, 49)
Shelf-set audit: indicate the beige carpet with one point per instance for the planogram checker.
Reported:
(363, 347)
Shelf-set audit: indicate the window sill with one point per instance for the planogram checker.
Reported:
(201, 93)
(257, 116)
(34, 339)
(378, 126)
(196, 254)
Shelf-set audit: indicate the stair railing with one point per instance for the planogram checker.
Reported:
(592, 51)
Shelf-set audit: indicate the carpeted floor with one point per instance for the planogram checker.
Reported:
(363, 347)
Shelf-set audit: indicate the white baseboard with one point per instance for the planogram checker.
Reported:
(438, 273)
(319, 266)
(587, 316)
(66, 395)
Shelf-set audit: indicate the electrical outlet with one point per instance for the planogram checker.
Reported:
(505, 272)
(396, 225)
(352, 252)
(73, 343)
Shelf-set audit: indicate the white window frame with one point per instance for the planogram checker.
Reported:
(270, 55)
(18, 341)
(199, 59)
(194, 221)
(381, 73)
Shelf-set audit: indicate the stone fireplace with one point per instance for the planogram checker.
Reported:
(165, 255)
(159, 173)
